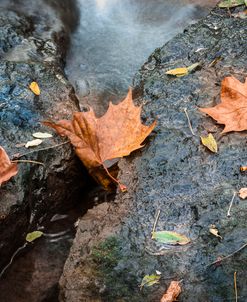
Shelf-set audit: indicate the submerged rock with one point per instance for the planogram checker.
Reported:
(175, 174)
(33, 42)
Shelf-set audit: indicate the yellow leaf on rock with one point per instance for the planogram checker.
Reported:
(209, 142)
(33, 143)
(178, 72)
(150, 280)
(34, 87)
(243, 193)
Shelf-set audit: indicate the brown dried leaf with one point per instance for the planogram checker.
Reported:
(115, 134)
(172, 292)
(232, 111)
(7, 168)
(243, 193)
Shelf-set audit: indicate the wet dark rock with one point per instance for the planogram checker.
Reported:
(175, 174)
(33, 42)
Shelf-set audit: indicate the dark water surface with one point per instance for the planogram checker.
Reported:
(115, 37)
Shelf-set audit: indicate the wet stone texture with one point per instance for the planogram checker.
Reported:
(30, 50)
(175, 174)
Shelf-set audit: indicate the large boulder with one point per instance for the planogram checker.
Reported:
(176, 175)
(33, 41)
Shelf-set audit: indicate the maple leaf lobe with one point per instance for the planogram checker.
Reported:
(232, 111)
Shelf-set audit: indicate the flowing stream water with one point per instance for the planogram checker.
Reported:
(112, 40)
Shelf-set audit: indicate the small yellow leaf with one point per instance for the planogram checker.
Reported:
(33, 143)
(33, 236)
(210, 142)
(34, 87)
(213, 230)
(243, 193)
(42, 135)
(179, 72)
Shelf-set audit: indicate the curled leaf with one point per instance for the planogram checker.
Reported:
(42, 135)
(209, 142)
(172, 292)
(33, 143)
(169, 237)
(150, 280)
(182, 71)
(214, 231)
(33, 236)
(34, 87)
(7, 168)
(243, 193)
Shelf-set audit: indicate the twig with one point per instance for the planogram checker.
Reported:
(43, 149)
(12, 258)
(155, 222)
(230, 206)
(190, 126)
(235, 286)
(228, 256)
(28, 161)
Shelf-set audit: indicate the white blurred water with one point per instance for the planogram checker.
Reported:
(115, 37)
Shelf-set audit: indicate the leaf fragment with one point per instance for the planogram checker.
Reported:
(33, 236)
(231, 3)
(172, 292)
(7, 168)
(42, 135)
(232, 111)
(241, 15)
(34, 87)
(33, 143)
(243, 193)
(169, 237)
(150, 280)
(214, 231)
(209, 142)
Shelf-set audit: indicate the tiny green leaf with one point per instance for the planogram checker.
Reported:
(210, 142)
(33, 236)
(193, 66)
(170, 238)
(150, 280)
(231, 3)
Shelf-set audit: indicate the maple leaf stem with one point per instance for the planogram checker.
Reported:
(122, 187)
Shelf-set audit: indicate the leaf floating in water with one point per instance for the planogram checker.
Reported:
(172, 292)
(214, 231)
(209, 142)
(231, 3)
(33, 143)
(168, 237)
(150, 280)
(42, 135)
(33, 236)
(34, 87)
(243, 193)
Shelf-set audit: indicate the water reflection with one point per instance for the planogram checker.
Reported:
(115, 37)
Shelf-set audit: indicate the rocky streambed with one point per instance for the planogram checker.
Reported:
(174, 175)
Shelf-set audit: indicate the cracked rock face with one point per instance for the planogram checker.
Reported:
(32, 47)
(175, 174)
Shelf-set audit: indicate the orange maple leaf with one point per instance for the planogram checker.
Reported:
(7, 168)
(172, 292)
(232, 111)
(115, 134)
